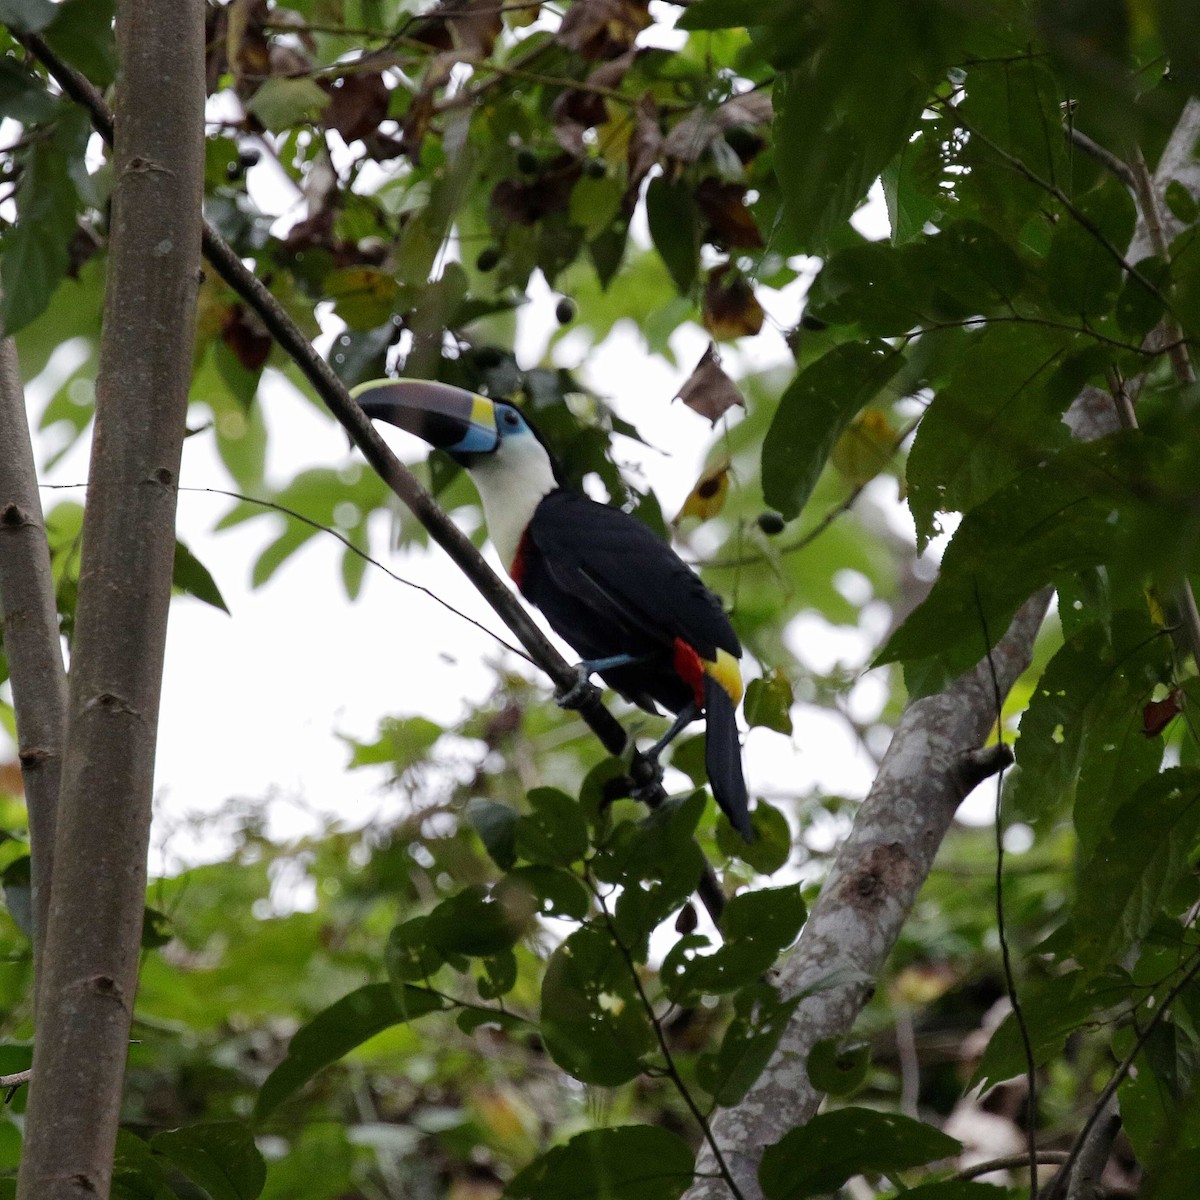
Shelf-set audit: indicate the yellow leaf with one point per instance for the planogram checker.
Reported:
(865, 449)
(707, 498)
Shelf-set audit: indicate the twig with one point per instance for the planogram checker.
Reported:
(1010, 1162)
(1010, 982)
(1084, 1183)
(1117, 165)
(275, 506)
(672, 1070)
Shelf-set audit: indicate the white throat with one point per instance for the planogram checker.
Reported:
(512, 483)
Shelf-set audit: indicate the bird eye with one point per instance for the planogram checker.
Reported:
(510, 418)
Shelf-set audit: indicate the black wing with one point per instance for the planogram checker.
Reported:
(610, 568)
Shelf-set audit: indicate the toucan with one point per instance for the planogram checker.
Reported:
(619, 595)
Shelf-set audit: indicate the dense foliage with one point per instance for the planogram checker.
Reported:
(510, 991)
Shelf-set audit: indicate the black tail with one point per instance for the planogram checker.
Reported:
(723, 757)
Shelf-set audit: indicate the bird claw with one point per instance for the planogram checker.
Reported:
(581, 693)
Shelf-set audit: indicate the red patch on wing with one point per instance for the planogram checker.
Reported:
(690, 669)
(517, 570)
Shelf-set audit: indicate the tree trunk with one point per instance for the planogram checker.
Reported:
(94, 929)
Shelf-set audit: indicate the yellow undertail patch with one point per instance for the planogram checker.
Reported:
(727, 673)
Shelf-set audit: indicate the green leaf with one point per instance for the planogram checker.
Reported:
(1144, 852)
(756, 926)
(136, 1175)
(221, 1157)
(1083, 274)
(675, 229)
(846, 109)
(336, 1031)
(834, 1146)
(1052, 1012)
(157, 929)
(1079, 736)
(769, 702)
(727, 14)
(36, 250)
(553, 891)
(813, 412)
(479, 922)
(759, 1020)
(82, 33)
(282, 102)
(496, 825)
(837, 1069)
(409, 955)
(23, 95)
(630, 1162)
(593, 1021)
(27, 16)
(999, 412)
(555, 832)
(1052, 519)
(772, 845)
(190, 575)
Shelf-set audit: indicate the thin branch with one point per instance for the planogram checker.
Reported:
(1010, 1162)
(1010, 982)
(29, 620)
(1112, 162)
(275, 506)
(672, 1070)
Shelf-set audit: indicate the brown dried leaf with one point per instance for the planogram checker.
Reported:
(246, 48)
(731, 224)
(357, 104)
(699, 130)
(730, 308)
(645, 145)
(1158, 714)
(603, 28)
(528, 202)
(708, 390)
(246, 337)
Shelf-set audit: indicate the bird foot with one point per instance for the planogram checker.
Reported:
(581, 693)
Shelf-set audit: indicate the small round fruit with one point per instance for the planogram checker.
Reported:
(564, 310)
(489, 256)
(771, 523)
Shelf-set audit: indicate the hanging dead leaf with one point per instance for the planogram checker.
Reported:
(247, 50)
(577, 110)
(865, 448)
(708, 497)
(645, 144)
(246, 337)
(357, 105)
(708, 390)
(527, 202)
(1158, 714)
(603, 28)
(698, 131)
(730, 223)
(730, 307)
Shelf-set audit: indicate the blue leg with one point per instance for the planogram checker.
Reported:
(685, 718)
(574, 697)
